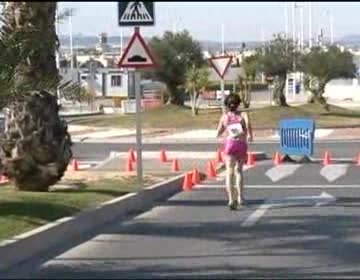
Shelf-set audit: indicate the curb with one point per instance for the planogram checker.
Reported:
(79, 115)
(42, 239)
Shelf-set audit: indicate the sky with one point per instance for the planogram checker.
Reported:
(242, 21)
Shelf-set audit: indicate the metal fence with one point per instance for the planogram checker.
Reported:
(297, 137)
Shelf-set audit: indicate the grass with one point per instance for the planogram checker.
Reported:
(337, 117)
(163, 118)
(180, 118)
(23, 211)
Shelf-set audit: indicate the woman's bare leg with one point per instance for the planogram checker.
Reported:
(229, 181)
(239, 181)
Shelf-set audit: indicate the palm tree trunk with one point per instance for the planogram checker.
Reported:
(36, 148)
(319, 98)
(247, 94)
(194, 109)
(279, 86)
(38, 71)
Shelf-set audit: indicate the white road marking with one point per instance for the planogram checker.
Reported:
(281, 171)
(204, 186)
(256, 215)
(170, 154)
(333, 171)
(318, 200)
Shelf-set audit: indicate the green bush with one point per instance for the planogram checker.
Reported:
(229, 86)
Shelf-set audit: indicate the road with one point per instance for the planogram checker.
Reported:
(194, 235)
(100, 151)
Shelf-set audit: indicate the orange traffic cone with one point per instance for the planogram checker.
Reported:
(210, 170)
(358, 160)
(75, 165)
(163, 157)
(277, 158)
(131, 155)
(219, 157)
(175, 166)
(129, 166)
(3, 179)
(250, 159)
(327, 159)
(187, 183)
(196, 176)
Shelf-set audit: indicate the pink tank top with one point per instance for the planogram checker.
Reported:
(235, 124)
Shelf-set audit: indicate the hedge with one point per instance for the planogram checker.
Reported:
(255, 86)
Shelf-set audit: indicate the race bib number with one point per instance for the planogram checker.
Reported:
(235, 130)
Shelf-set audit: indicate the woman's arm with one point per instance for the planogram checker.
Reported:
(248, 126)
(221, 127)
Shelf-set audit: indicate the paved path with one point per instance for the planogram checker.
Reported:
(286, 230)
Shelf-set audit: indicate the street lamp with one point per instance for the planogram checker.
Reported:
(331, 25)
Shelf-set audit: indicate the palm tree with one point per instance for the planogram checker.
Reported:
(196, 80)
(35, 148)
(321, 66)
(249, 65)
(277, 59)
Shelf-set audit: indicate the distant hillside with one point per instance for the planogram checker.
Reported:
(208, 45)
(92, 41)
(350, 40)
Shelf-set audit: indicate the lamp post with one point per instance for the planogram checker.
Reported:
(310, 25)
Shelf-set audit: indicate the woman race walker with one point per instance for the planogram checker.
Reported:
(238, 130)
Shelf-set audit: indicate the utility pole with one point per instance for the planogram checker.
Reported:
(71, 43)
(310, 25)
(301, 28)
(294, 40)
(223, 38)
(286, 18)
(121, 42)
(222, 83)
(331, 19)
(57, 56)
(293, 21)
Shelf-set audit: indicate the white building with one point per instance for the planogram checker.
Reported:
(109, 82)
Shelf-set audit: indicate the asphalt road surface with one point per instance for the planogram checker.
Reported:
(300, 221)
(100, 151)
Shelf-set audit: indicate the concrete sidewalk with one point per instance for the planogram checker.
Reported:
(91, 135)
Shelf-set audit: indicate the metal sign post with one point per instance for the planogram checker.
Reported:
(139, 165)
(221, 65)
(137, 55)
(222, 88)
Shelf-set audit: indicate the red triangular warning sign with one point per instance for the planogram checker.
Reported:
(221, 64)
(137, 54)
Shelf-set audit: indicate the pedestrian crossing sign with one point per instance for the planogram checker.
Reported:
(136, 13)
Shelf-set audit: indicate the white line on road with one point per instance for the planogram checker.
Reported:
(318, 200)
(256, 215)
(200, 186)
(334, 171)
(170, 154)
(281, 171)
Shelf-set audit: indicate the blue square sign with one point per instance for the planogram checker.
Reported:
(136, 13)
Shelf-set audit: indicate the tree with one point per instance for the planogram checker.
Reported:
(36, 146)
(277, 60)
(249, 65)
(76, 93)
(196, 80)
(176, 54)
(321, 66)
